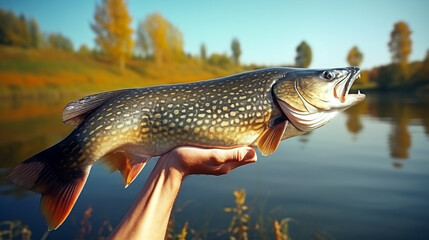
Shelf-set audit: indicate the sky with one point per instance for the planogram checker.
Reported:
(268, 31)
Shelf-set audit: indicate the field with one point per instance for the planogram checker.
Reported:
(42, 73)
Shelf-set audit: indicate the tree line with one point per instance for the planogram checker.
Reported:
(399, 74)
(19, 31)
(159, 40)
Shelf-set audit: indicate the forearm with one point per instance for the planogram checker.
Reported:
(148, 218)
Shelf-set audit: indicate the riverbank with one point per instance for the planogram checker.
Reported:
(39, 74)
(50, 73)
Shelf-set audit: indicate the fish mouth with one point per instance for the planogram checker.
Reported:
(342, 88)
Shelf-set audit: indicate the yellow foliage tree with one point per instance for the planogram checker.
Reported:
(161, 37)
(400, 43)
(400, 47)
(112, 27)
(355, 57)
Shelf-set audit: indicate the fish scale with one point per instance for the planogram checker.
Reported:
(211, 113)
(125, 128)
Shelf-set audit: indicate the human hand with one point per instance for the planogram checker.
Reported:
(149, 215)
(194, 160)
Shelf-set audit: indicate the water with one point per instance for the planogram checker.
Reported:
(365, 175)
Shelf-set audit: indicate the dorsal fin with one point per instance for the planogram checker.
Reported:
(270, 139)
(76, 111)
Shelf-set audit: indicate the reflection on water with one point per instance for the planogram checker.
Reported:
(377, 149)
(28, 127)
(399, 111)
(25, 129)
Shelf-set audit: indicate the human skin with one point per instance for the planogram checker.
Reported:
(149, 215)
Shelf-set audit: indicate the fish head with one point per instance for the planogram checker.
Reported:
(312, 97)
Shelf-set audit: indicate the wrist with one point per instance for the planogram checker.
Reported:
(171, 169)
(173, 165)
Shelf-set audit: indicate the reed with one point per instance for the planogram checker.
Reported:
(238, 228)
(183, 232)
(281, 229)
(10, 230)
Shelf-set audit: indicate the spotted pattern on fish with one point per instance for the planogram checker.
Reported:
(222, 113)
(127, 127)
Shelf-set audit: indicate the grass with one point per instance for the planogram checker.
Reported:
(10, 230)
(39, 73)
(240, 226)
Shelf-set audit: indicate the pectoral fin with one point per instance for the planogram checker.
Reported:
(270, 139)
(128, 163)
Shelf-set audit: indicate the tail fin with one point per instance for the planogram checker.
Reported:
(60, 186)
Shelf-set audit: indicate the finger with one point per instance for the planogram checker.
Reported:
(220, 156)
(231, 165)
(193, 160)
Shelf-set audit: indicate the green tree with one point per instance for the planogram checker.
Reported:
(203, 52)
(58, 41)
(221, 60)
(236, 51)
(422, 74)
(23, 33)
(112, 27)
(13, 30)
(303, 55)
(355, 57)
(84, 49)
(4, 19)
(400, 43)
(36, 38)
(143, 41)
(163, 39)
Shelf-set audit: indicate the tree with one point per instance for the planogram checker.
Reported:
(13, 30)
(220, 60)
(23, 33)
(112, 27)
(143, 41)
(236, 51)
(84, 49)
(36, 38)
(58, 41)
(163, 39)
(422, 74)
(203, 52)
(400, 43)
(355, 57)
(303, 55)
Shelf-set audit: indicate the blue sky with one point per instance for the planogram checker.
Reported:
(268, 31)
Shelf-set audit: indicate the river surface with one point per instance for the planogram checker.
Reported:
(365, 175)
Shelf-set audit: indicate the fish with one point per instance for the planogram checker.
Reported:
(125, 128)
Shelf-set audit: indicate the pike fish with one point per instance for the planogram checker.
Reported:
(125, 128)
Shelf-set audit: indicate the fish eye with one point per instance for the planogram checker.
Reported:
(328, 75)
